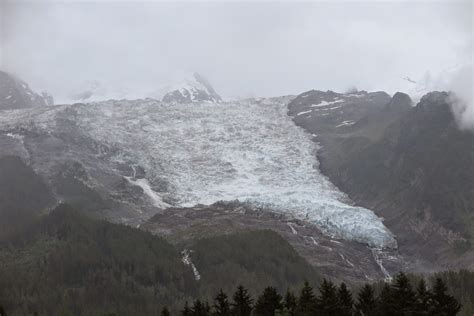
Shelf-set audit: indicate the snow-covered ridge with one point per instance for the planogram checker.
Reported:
(185, 88)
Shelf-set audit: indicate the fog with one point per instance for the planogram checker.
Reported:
(243, 48)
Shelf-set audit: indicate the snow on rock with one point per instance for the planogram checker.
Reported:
(378, 253)
(186, 259)
(293, 230)
(304, 112)
(346, 123)
(195, 88)
(325, 103)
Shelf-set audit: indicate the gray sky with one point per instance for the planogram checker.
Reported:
(243, 48)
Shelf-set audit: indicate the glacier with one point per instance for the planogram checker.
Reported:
(248, 150)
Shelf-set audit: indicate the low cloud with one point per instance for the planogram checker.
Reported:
(463, 100)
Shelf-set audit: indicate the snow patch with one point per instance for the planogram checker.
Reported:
(377, 254)
(186, 259)
(143, 183)
(346, 123)
(304, 112)
(293, 230)
(325, 103)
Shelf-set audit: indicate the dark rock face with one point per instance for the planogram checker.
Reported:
(399, 101)
(195, 89)
(16, 94)
(411, 165)
(319, 111)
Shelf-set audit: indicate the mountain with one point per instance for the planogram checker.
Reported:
(411, 165)
(195, 88)
(16, 94)
(70, 262)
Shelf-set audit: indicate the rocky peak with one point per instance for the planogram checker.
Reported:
(195, 88)
(16, 94)
(399, 101)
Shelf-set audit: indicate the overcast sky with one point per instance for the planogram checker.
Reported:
(243, 48)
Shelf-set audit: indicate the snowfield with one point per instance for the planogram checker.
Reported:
(246, 150)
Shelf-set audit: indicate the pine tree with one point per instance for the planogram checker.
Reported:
(242, 302)
(403, 294)
(344, 300)
(290, 303)
(327, 303)
(221, 305)
(423, 300)
(306, 301)
(268, 303)
(385, 304)
(366, 303)
(444, 303)
(186, 310)
(200, 309)
(165, 311)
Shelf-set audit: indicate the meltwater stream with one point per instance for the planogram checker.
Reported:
(246, 150)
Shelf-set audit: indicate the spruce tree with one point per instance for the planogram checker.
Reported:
(403, 295)
(344, 300)
(268, 303)
(306, 301)
(186, 310)
(385, 304)
(200, 309)
(444, 303)
(327, 303)
(165, 311)
(290, 303)
(366, 303)
(221, 305)
(242, 302)
(423, 300)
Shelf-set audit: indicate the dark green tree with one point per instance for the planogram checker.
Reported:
(423, 299)
(200, 309)
(221, 305)
(403, 295)
(186, 310)
(385, 304)
(242, 302)
(344, 300)
(2, 311)
(327, 303)
(306, 301)
(366, 303)
(165, 311)
(268, 303)
(444, 303)
(290, 303)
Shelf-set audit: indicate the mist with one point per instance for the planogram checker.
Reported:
(244, 49)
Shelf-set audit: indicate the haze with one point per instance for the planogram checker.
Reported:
(244, 49)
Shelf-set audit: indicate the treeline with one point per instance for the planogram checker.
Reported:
(396, 298)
